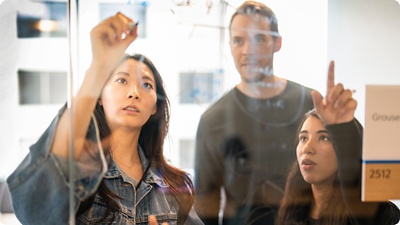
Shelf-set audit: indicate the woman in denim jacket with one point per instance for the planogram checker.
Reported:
(128, 181)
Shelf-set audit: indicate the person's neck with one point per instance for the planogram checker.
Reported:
(268, 87)
(321, 194)
(124, 146)
(124, 151)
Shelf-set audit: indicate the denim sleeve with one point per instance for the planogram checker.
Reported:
(39, 186)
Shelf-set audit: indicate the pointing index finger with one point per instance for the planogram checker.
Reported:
(331, 78)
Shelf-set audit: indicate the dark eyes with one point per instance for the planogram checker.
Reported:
(324, 138)
(147, 85)
(122, 80)
(302, 139)
(259, 39)
(321, 138)
(237, 41)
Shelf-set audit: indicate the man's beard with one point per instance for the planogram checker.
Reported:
(258, 74)
(254, 79)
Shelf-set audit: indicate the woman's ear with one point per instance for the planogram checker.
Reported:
(155, 110)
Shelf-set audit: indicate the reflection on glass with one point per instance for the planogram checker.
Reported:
(49, 22)
(5, 198)
(136, 10)
(199, 87)
(42, 87)
(186, 153)
(348, 38)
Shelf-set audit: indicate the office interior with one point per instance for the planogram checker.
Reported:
(188, 41)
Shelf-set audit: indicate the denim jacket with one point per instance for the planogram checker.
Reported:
(40, 189)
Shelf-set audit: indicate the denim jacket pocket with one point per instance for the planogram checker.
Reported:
(169, 217)
(98, 214)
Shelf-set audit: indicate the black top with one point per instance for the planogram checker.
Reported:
(346, 139)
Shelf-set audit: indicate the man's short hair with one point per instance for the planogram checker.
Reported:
(253, 8)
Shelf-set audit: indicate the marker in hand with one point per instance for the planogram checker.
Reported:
(131, 25)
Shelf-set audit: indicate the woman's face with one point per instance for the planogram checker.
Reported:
(129, 98)
(315, 153)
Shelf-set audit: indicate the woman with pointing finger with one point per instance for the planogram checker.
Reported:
(324, 184)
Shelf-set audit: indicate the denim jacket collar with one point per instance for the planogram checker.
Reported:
(152, 176)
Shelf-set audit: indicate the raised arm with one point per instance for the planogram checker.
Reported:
(39, 186)
(336, 110)
(108, 49)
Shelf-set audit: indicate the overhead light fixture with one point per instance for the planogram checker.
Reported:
(46, 25)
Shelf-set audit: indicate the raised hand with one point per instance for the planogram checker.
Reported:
(338, 106)
(109, 40)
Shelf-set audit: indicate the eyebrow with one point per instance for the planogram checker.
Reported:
(318, 132)
(123, 73)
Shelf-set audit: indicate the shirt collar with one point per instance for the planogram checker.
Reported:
(153, 175)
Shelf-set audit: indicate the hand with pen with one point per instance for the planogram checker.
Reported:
(110, 39)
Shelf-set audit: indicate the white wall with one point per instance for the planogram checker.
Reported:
(364, 40)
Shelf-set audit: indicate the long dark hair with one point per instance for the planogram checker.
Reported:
(298, 199)
(151, 140)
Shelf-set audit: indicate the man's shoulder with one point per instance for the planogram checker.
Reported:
(219, 107)
(300, 91)
(298, 86)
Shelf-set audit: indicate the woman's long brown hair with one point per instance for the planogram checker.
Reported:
(298, 198)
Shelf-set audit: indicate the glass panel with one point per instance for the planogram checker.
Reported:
(186, 154)
(135, 10)
(42, 87)
(29, 86)
(189, 43)
(199, 87)
(50, 20)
